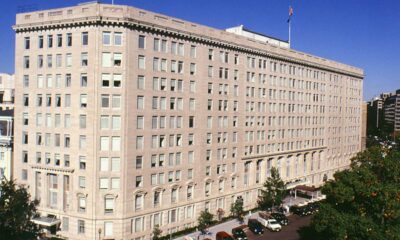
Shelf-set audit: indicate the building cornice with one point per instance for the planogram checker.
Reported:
(279, 154)
(131, 23)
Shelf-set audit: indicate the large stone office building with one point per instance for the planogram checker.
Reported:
(127, 119)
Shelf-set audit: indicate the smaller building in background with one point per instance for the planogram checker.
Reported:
(6, 143)
(6, 91)
(392, 112)
(364, 117)
(384, 114)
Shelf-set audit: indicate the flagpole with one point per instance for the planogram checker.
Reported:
(290, 23)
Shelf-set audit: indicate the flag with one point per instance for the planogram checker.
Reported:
(290, 13)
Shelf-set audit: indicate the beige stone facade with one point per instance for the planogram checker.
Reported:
(126, 119)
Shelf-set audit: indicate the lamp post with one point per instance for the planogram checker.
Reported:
(99, 231)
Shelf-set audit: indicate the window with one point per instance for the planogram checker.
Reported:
(105, 101)
(115, 144)
(104, 164)
(139, 142)
(83, 101)
(69, 39)
(81, 204)
(25, 119)
(84, 59)
(84, 80)
(49, 41)
(106, 38)
(105, 80)
(85, 38)
(81, 226)
(140, 82)
(142, 42)
(58, 60)
(108, 228)
(49, 61)
(68, 60)
(82, 121)
(140, 102)
(193, 51)
(109, 205)
(141, 62)
(104, 122)
(82, 162)
(116, 123)
(140, 122)
(40, 61)
(139, 162)
(116, 101)
(26, 81)
(117, 59)
(82, 182)
(117, 79)
(104, 143)
(117, 39)
(26, 62)
(40, 42)
(115, 164)
(59, 40)
(27, 43)
(139, 181)
(106, 59)
(103, 183)
(25, 100)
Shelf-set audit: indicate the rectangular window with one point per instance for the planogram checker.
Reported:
(59, 40)
(106, 59)
(118, 39)
(84, 59)
(106, 38)
(69, 39)
(85, 38)
(141, 62)
(142, 42)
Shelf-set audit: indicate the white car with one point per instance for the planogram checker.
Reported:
(270, 223)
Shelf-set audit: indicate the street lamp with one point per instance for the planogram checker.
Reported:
(99, 231)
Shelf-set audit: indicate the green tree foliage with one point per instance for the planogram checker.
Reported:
(362, 202)
(273, 192)
(237, 209)
(157, 232)
(205, 220)
(16, 212)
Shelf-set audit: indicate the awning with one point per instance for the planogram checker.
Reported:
(46, 221)
(306, 188)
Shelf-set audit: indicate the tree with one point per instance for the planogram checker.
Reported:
(205, 220)
(16, 212)
(156, 232)
(237, 209)
(362, 202)
(273, 192)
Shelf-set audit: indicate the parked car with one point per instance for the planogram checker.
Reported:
(300, 210)
(255, 226)
(238, 233)
(223, 236)
(270, 223)
(281, 218)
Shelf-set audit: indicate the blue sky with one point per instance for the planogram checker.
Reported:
(363, 33)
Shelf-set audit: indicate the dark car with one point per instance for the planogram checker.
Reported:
(281, 218)
(255, 226)
(238, 233)
(301, 211)
(224, 236)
